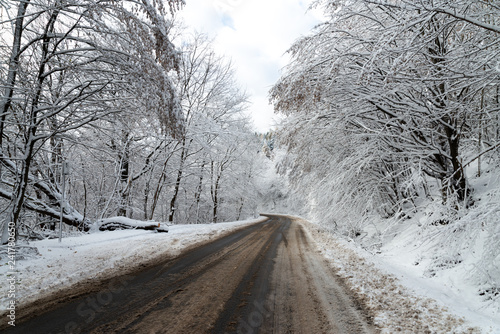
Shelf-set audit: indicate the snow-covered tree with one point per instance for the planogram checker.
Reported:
(215, 128)
(387, 95)
(71, 63)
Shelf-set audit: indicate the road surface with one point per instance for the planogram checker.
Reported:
(266, 278)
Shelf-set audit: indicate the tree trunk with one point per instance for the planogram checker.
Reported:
(480, 135)
(124, 171)
(454, 177)
(180, 171)
(214, 190)
(9, 87)
(197, 195)
(146, 198)
(240, 208)
(30, 133)
(13, 66)
(159, 185)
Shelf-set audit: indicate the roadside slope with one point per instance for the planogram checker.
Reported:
(397, 307)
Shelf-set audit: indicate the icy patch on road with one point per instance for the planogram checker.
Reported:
(100, 255)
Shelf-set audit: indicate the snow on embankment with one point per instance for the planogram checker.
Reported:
(400, 301)
(100, 255)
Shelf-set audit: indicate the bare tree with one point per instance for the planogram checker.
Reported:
(211, 101)
(64, 73)
(396, 87)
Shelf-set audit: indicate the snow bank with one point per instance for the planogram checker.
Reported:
(99, 255)
(401, 299)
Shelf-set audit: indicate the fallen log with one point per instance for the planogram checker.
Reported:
(123, 223)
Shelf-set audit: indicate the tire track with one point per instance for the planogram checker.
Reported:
(108, 312)
(266, 278)
(246, 311)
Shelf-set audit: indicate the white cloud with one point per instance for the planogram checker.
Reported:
(255, 35)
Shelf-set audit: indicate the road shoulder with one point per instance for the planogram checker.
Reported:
(395, 307)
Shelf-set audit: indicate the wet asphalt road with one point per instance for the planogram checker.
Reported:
(265, 278)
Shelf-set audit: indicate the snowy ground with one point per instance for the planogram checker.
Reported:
(98, 255)
(398, 293)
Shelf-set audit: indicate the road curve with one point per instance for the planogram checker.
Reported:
(266, 278)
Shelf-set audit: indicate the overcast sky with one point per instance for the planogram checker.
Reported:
(255, 35)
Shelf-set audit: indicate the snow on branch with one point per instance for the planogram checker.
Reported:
(124, 223)
(453, 12)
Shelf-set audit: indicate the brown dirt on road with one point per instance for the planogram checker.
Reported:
(307, 296)
(266, 278)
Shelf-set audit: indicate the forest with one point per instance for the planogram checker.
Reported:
(390, 108)
(114, 114)
(392, 128)
(113, 109)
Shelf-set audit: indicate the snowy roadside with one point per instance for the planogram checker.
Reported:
(400, 300)
(99, 255)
